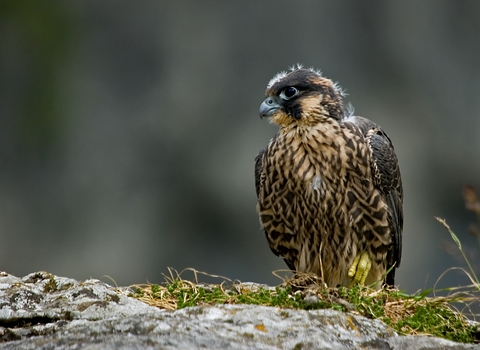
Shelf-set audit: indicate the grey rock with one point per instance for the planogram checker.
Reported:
(43, 311)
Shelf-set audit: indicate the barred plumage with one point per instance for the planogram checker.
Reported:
(328, 185)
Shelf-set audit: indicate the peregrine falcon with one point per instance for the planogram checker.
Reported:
(328, 184)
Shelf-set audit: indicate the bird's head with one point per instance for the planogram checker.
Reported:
(303, 97)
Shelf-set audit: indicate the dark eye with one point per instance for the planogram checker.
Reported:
(288, 92)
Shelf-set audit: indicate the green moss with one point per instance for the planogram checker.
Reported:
(439, 321)
(417, 314)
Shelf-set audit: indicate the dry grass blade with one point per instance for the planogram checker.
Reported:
(472, 275)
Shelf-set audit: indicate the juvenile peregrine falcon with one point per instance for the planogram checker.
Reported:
(328, 184)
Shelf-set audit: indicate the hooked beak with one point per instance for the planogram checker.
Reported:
(268, 107)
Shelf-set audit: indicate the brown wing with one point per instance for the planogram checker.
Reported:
(387, 180)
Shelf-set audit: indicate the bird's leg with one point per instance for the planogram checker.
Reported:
(359, 269)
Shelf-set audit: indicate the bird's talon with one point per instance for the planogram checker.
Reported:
(353, 268)
(359, 269)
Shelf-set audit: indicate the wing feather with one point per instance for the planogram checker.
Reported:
(387, 180)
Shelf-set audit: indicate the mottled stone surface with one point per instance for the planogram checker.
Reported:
(43, 311)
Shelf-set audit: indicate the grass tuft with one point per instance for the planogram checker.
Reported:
(415, 314)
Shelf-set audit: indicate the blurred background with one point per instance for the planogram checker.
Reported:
(128, 129)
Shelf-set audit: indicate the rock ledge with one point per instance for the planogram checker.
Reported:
(43, 311)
